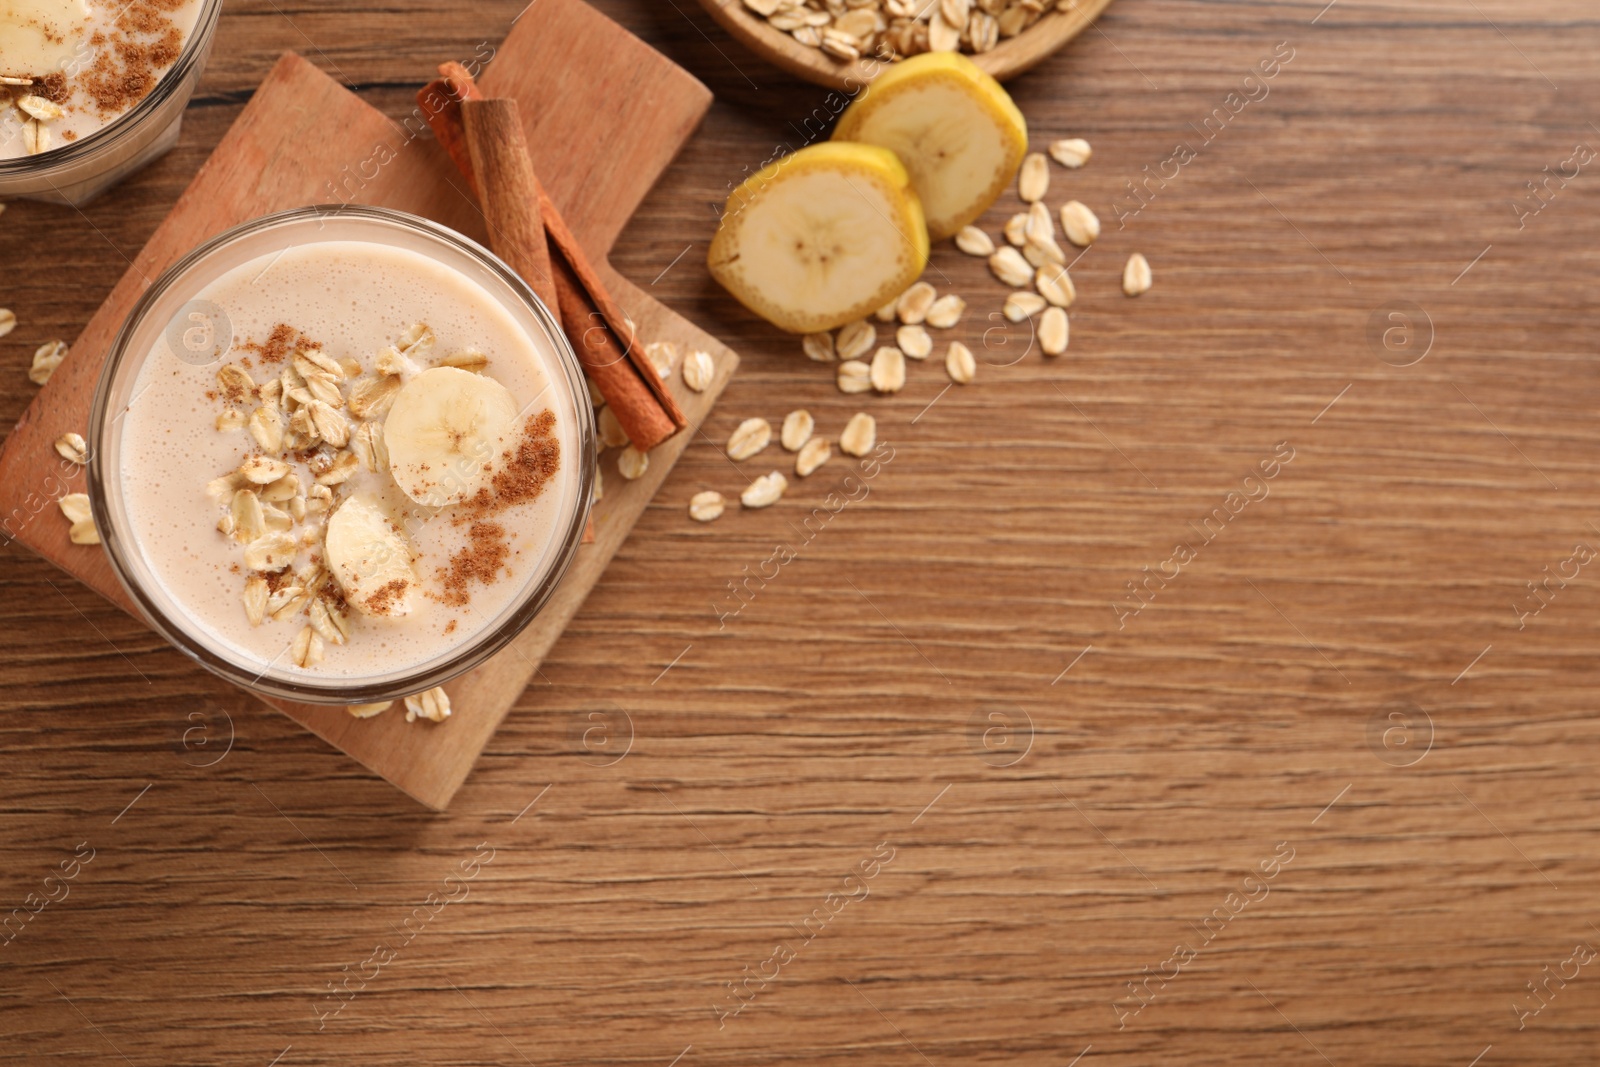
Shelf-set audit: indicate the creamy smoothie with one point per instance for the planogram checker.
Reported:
(372, 475)
(69, 68)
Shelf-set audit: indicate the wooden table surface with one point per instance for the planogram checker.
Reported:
(936, 794)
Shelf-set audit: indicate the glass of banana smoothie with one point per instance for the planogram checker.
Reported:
(91, 90)
(341, 455)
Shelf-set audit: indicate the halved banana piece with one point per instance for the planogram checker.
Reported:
(370, 559)
(821, 238)
(444, 432)
(952, 125)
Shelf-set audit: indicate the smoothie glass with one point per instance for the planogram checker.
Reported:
(76, 172)
(175, 331)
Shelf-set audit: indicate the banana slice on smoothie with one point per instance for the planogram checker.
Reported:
(956, 130)
(821, 238)
(444, 431)
(369, 558)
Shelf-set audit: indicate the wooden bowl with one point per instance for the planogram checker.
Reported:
(1011, 57)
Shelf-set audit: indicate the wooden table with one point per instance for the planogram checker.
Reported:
(1346, 687)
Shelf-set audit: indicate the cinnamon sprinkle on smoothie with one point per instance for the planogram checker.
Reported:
(526, 470)
(482, 560)
(82, 64)
(283, 340)
(380, 602)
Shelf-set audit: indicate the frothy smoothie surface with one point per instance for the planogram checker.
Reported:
(367, 481)
(71, 67)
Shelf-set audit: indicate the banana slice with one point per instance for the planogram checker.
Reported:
(953, 127)
(821, 238)
(444, 431)
(370, 559)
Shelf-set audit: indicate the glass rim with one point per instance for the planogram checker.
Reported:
(522, 610)
(128, 123)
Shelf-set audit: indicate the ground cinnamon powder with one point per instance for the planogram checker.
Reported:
(481, 560)
(383, 600)
(127, 60)
(52, 87)
(283, 340)
(525, 469)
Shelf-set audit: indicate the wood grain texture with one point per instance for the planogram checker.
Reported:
(1012, 56)
(265, 164)
(790, 740)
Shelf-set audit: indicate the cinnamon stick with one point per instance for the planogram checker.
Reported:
(456, 88)
(510, 192)
(640, 414)
(441, 102)
(600, 332)
(568, 246)
(441, 107)
(460, 80)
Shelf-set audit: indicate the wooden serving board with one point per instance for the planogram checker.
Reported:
(304, 139)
